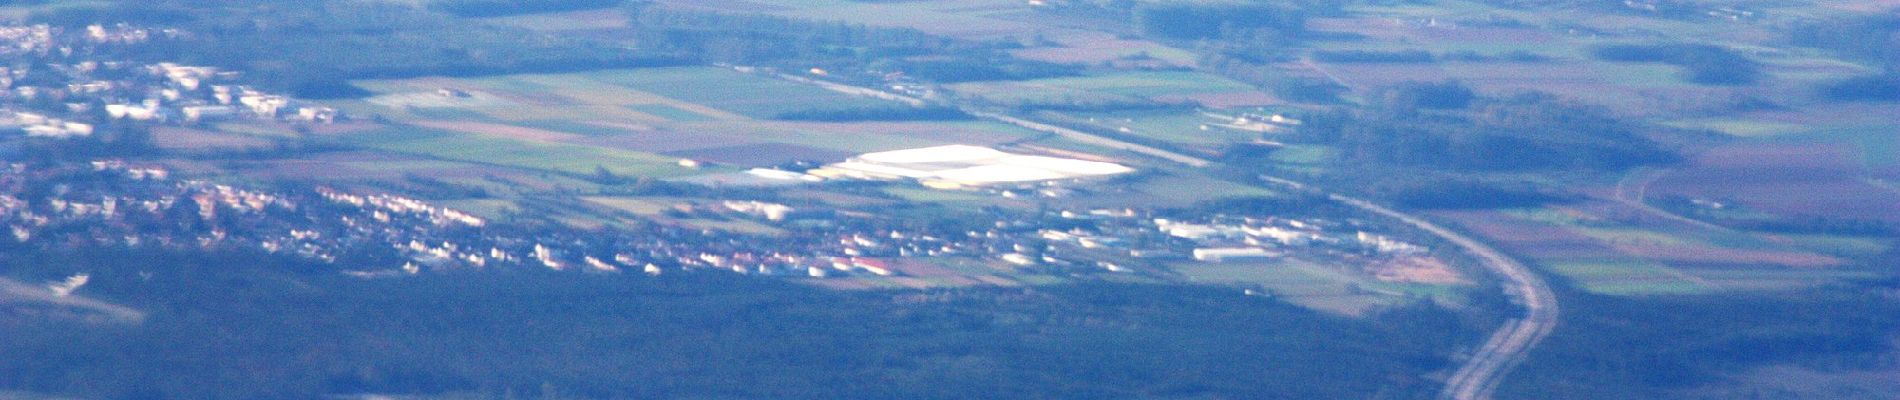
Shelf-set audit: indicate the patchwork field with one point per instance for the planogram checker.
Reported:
(980, 19)
(1187, 128)
(638, 122)
(1122, 87)
(1324, 287)
(511, 152)
(1841, 179)
(1610, 248)
(193, 140)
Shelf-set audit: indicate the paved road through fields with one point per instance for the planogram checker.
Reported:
(1478, 377)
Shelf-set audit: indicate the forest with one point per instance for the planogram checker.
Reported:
(237, 325)
(1444, 127)
(1613, 347)
(1703, 64)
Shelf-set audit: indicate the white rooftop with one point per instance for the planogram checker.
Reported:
(970, 166)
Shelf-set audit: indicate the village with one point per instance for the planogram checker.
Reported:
(114, 203)
(80, 87)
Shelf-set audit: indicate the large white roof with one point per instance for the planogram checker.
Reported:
(937, 154)
(971, 165)
(1067, 166)
(998, 173)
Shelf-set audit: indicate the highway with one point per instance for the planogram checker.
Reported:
(1487, 366)
(1478, 377)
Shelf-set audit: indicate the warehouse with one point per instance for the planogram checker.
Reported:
(956, 166)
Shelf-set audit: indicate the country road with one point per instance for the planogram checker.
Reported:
(1486, 367)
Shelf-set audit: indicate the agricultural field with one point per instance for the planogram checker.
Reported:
(1333, 288)
(1119, 88)
(635, 122)
(751, 95)
(981, 19)
(566, 22)
(189, 140)
(1612, 248)
(1506, 50)
(1835, 175)
(518, 153)
(1188, 128)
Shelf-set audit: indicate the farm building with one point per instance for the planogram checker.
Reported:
(956, 166)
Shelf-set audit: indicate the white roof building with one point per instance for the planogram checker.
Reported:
(1230, 253)
(964, 165)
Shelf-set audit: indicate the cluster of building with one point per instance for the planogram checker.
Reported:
(1252, 122)
(85, 91)
(375, 235)
(191, 94)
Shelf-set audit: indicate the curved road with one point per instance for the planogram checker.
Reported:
(1478, 378)
(1480, 374)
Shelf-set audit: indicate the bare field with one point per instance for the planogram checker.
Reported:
(1786, 179)
(1599, 248)
(584, 20)
(188, 139)
(960, 19)
(499, 130)
(1208, 89)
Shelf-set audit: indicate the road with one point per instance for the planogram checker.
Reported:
(1479, 376)
(1487, 365)
(1633, 189)
(1088, 138)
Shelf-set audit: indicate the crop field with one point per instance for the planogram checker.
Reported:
(583, 20)
(1617, 256)
(1568, 39)
(579, 97)
(762, 154)
(724, 89)
(1791, 180)
(978, 19)
(1313, 285)
(1163, 189)
(1179, 127)
(1165, 86)
(511, 152)
(637, 122)
(188, 139)
(1627, 277)
(1088, 47)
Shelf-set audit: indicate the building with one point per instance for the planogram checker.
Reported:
(959, 166)
(1222, 254)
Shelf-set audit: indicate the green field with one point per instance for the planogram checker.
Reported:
(751, 95)
(1181, 127)
(1318, 286)
(1614, 257)
(669, 112)
(544, 156)
(1119, 87)
(1627, 277)
(1305, 154)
